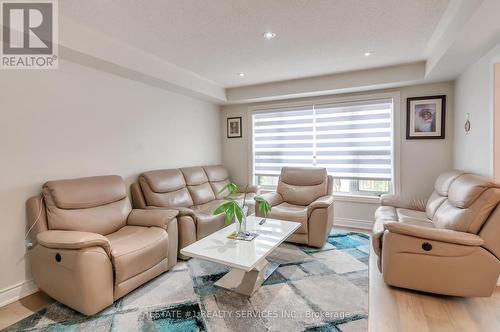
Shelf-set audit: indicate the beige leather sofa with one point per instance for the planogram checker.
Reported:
(90, 247)
(448, 244)
(194, 192)
(304, 195)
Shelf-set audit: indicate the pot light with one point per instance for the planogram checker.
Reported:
(241, 74)
(269, 35)
(368, 53)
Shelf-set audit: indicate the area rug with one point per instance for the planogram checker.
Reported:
(312, 290)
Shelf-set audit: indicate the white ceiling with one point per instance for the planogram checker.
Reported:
(217, 39)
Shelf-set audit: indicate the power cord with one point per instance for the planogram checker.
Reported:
(29, 244)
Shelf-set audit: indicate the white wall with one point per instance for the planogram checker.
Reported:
(77, 121)
(420, 163)
(474, 95)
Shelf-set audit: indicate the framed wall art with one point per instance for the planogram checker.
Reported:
(234, 127)
(425, 117)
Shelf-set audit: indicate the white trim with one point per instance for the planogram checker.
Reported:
(17, 292)
(396, 127)
(396, 140)
(338, 197)
(250, 156)
(353, 223)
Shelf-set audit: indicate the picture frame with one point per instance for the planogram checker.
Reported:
(426, 117)
(234, 129)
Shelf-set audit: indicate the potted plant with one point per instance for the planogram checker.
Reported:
(236, 210)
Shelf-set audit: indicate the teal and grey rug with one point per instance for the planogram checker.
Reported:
(312, 290)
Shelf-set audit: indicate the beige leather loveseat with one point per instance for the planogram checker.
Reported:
(194, 192)
(90, 247)
(304, 195)
(448, 244)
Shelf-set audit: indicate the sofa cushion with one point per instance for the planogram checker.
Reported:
(410, 216)
(217, 187)
(178, 197)
(201, 193)
(135, 249)
(467, 188)
(197, 182)
(194, 175)
(291, 212)
(164, 180)
(303, 176)
(96, 205)
(207, 208)
(87, 192)
(433, 203)
(302, 186)
(469, 219)
(216, 173)
(444, 180)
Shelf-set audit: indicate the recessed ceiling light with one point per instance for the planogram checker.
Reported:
(269, 35)
(368, 53)
(241, 74)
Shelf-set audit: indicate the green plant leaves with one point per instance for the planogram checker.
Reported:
(230, 187)
(231, 208)
(238, 212)
(263, 205)
(229, 215)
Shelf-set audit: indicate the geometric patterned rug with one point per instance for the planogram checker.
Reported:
(312, 290)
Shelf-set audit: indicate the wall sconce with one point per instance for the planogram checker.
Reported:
(467, 125)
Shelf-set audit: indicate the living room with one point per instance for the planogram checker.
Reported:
(264, 165)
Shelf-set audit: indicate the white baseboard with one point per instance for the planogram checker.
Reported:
(353, 223)
(17, 292)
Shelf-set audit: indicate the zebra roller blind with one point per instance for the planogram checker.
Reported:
(352, 140)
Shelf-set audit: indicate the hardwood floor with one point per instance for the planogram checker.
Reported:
(23, 308)
(390, 309)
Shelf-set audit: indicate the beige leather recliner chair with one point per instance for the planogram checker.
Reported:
(304, 195)
(193, 191)
(90, 247)
(448, 245)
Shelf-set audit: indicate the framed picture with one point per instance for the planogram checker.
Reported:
(234, 127)
(425, 117)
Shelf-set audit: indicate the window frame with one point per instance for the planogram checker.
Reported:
(395, 136)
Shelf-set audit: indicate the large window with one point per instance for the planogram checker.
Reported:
(352, 140)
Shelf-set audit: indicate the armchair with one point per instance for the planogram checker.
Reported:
(448, 244)
(91, 247)
(303, 195)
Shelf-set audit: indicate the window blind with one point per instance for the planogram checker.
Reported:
(352, 140)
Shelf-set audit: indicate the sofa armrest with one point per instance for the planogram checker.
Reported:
(403, 202)
(72, 240)
(183, 211)
(436, 234)
(322, 202)
(248, 189)
(151, 217)
(273, 198)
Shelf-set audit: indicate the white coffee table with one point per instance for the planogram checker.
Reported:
(246, 258)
